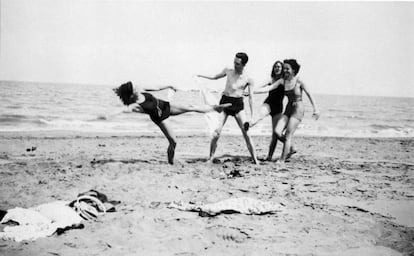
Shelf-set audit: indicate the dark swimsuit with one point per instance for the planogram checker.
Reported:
(157, 109)
(295, 107)
(236, 107)
(275, 100)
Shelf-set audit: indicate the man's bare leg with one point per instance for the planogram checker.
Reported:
(240, 121)
(216, 136)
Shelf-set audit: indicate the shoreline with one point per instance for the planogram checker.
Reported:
(341, 196)
(156, 133)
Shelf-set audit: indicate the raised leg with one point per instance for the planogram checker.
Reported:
(263, 112)
(179, 109)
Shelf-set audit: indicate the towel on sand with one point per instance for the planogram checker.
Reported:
(244, 205)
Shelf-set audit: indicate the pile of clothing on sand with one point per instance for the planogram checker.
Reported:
(21, 224)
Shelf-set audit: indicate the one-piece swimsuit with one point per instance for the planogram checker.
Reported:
(275, 100)
(295, 107)
(157, 109)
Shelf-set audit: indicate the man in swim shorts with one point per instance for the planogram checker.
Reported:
(236, 83)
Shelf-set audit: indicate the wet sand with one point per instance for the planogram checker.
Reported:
(341, 196)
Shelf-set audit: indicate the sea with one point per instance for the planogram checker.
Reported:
(33, 106)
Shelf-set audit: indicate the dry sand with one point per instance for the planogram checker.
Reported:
(342, 196)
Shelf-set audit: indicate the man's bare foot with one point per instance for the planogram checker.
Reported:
(255, 161)
(213, 160)
(219, 108)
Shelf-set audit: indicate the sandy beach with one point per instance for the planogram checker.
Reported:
(340, 196)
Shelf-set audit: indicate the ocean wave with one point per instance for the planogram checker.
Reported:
(345, 116)
(355, 132)
(385, 131)
(14, 107)
(16, 124)
(386, 127)
(193, 124)
(145, 127)
(15, 119)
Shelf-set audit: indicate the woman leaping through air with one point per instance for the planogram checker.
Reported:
(140, 101)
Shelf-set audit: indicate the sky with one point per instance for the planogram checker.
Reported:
(350, 48)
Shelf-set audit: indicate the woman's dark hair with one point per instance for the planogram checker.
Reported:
(243, 56)
(294, 64)
(126, 93)
(275, 76)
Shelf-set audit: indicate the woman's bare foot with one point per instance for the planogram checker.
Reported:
(171, 152)
(291, 152)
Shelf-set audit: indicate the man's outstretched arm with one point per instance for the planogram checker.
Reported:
(218, 76)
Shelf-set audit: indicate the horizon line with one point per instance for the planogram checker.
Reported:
(196, 89)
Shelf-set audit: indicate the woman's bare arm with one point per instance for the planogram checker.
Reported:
(158, 88)
(272, 86)
(316, 113)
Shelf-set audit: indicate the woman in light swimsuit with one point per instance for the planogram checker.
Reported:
(294, 112)
(159, 110)
(272, 105)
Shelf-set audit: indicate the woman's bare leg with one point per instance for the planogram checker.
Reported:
(273, 142)
(291, 152)
(263, 112)
(280, 127)
(180, 109)
(171, 139)
(291, 127)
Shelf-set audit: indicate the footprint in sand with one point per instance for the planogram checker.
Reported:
(229, 233)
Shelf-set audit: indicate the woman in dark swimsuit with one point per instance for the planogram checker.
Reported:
(159, 110)
(272, 105)
(293, 115)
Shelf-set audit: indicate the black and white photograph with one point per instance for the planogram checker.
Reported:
(206, 127)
